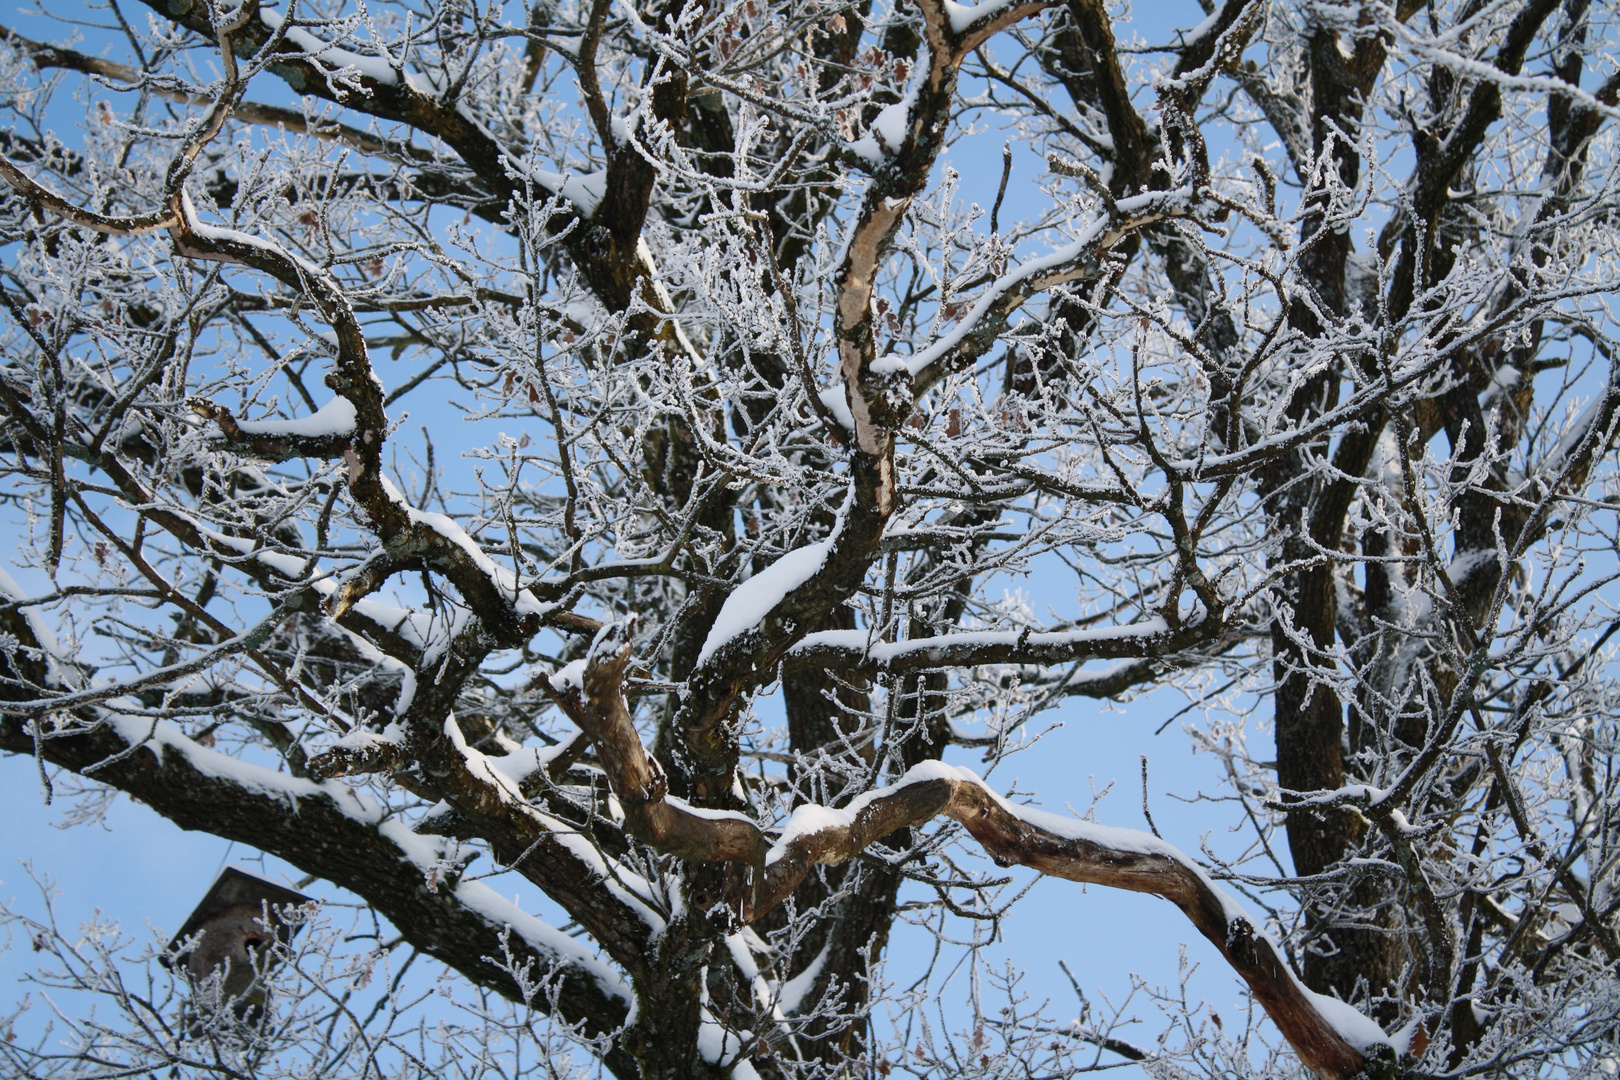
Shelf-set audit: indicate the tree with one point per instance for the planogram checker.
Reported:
(1297, 368)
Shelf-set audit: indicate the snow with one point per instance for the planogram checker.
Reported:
(710, 815)
(963, 16)
(570, 676)
(424, 852)
(431, 633)
(482, 764)
(1080, 678)
(1355, 1028)
(750, 602)
(1132, 840)
(523, 761)
(837, 404)
(667, 302)
(523, 600)
(889, 126)
(1572, 438)
(220, 234)
(1503, 381)
(888, 130)
(885, 136)
(164, 738)
(1365, 793)
(407, 675)
(427, 852)
(541, 936)
(360, 738)
(1197, 32)
(626, 886)
(585, 191)
(44, 635)
(335, 419)
(376, 68)
(1467, 563)
(741, 945)
(742, 955)
(791, 994)
(717, 1045)
(289, 566)
(807, 819)
(867, 150)
(1432, 48)
(936, 648)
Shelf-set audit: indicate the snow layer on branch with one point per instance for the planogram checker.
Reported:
(431, 633)
(717, 1045)
(757, 597)
(570, 676)
(288, 566)
(888, 129)
(376, 68)
(1108, 836)
(791, 995)
(220, 234)
(44, 635)
(541, 936)
(1355, 1028)
(1198, 32)
(334, 419)
(1572, 437)
(887, 132)
(837, 402)
(808, 819)
(938, 647)
(710, 815)
(750, 602)
(585, 191)
(523, 600)
(164, 738)
(361, 739)
(427, 854)
(963, 16)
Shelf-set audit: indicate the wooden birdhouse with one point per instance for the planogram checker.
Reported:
(236, 926)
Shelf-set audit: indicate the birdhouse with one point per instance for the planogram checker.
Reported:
(236, 926)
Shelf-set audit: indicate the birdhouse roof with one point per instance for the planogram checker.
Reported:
(232, 888)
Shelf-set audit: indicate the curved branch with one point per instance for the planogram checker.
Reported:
(1332, 1038)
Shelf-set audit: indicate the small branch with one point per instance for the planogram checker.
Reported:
(45, 199)
(1145, 811)
(1001, 192)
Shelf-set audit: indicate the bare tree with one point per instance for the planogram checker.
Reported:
(1294, 365)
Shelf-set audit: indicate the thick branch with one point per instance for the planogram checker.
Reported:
(1332, 1038)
